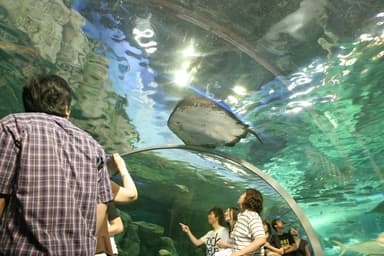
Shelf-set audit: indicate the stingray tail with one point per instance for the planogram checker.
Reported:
(255, 134)
(343, 249)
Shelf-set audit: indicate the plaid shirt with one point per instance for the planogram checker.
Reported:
(53, 175)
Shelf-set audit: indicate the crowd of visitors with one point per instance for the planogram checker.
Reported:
(247, 234)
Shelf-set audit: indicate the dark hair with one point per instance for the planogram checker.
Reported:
(49, 94)
(218, 212)
(253, 200)
(265, 222)
(274, 222)
(235, 212)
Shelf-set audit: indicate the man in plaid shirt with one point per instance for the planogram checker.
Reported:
(53, 178)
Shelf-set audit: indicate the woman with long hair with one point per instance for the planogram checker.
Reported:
(230, 216)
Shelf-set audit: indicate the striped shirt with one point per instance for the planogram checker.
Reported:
(53, 175)
(248, 227)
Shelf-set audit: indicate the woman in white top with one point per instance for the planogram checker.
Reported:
(248, 233)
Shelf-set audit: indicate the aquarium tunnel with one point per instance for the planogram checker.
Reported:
(204, 99)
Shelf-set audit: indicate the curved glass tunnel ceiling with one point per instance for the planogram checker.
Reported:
(187, 181)
(306, 75)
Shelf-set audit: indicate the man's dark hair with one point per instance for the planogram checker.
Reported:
(49, 94)
(218, 212)
(274, 221)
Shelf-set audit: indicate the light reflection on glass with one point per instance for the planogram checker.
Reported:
(346, 72)
(294, 110)
(327, 114)
(323, 67)
(239, 90)
(309, 90)
(181, 78)
(346, 62)
(365, 38)
(297, 106)
(334, 80)
(340, 56)
(378, 56)
(298, 79)
(232, 100)
(190, 51)
(185, 74)
(142, 36)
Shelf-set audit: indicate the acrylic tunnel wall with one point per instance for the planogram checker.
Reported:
(306, 76)
(179, 184)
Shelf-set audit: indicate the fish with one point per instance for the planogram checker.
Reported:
(198, 121)
(368, 248)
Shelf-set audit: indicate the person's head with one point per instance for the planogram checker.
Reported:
(267, 228)
(294, 231)
(251, 200)
(230, 214)
(278, 224)
(215, 215)
(49, 94)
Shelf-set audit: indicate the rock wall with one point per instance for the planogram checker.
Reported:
(46, 36)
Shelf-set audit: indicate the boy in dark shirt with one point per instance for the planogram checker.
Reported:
(282, 239)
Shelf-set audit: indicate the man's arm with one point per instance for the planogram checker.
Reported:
(194, 240)
(101, 212)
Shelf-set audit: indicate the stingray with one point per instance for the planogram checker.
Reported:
(199, 121)
(371, 247)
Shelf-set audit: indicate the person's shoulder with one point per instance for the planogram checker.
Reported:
(251, 214)
(18, 118)
(223, 229)
(8, 118)
(30, 117)
(40, 119)
(286, 234)
(210, 233)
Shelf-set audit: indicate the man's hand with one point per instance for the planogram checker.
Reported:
(184, 227)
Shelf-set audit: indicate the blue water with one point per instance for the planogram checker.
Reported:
(321, 124)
